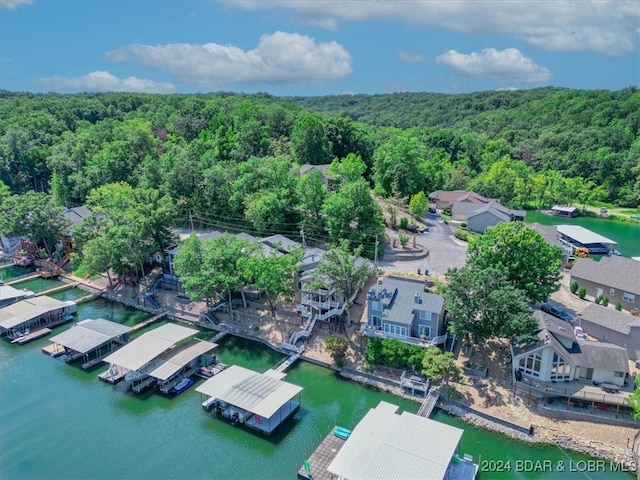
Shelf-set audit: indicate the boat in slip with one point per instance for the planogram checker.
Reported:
(342, 433)
(182, 385)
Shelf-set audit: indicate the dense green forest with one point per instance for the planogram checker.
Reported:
(225, 159)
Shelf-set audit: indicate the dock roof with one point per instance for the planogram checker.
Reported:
(148, 346)
(165, 368)
(583, 235)
(396, 447)
(89, 334)
(7, 292)
(259, 393)
(29, 309)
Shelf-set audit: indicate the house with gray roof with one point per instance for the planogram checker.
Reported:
(608, 325)
(560, 356)
(400, 308)
(491, 214)
(444, 199)
(615, 277)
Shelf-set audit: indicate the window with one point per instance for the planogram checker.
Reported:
(424, 330)
(628, 297)
(376, 306)
(612, 291)
(560, 369)
(376, 321)
(425, 315)
(618, 374)
(395, 330)
(531, 364)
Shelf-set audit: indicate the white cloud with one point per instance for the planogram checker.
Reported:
(408, 57)
(103, 82)
(508, 65)
(286, 58)
(13, 4)
(609, 27)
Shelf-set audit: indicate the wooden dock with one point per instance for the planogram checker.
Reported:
(149, 321)
(59, 288)
(31, 336)
(286, 363)
(321, 458)
(53, 349)
(113, 374)
(22, 278)
(429, 403)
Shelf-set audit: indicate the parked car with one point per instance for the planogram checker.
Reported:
(559, 312)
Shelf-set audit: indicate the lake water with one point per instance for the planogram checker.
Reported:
(626, 234)
(59, 421)
(13, 271)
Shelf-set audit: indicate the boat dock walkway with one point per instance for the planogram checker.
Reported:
(28, 337)
(22, 278)
(321, 458)
(59, 288)
(219, 336)
(53, 349)
(429, 403)
(149, 321)
(286, 363)
(113, 374)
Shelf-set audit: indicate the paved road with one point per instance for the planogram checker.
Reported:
(444, 253)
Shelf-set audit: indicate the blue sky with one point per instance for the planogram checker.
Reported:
(317, 47)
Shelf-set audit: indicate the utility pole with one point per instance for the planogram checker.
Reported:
(375, 257)
(304, 243)
(191, 221)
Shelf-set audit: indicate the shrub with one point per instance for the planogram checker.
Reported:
(605, 301)
(582, 292)
(461, 234)
(463, 224)
(598, 299)
(338, 347)
(574, 287)
(403, 238)
(404, 222)
(619, 306)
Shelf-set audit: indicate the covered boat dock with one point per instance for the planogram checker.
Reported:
(261, 401)
(91, 340)
(165, 354)
(580, 237)
(9, 295)
(22, 320)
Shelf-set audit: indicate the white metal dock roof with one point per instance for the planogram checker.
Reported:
(164, 368)
(396, 447)
(28, 309)
(255, 392)
(89, 334)
(583, 235)
(148, 346)
(7, 292)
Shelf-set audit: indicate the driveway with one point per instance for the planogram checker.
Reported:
(444, 251)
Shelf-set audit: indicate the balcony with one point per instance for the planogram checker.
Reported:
(371, 331)
(313, 301)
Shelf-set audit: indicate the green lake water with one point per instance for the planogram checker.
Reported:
(13, 271)
(626, 234)
(38, 284)
(59, 421)
(72, 293)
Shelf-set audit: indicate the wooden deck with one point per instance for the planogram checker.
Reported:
(321, 458)
(31, 336)
(113, 374)
(429, 404)
(53, 349)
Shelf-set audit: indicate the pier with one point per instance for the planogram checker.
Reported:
(29, 276)
(28, 337)
(286, 363)
(429, 403)
(149, 321)
(321, 458)
(59, 288)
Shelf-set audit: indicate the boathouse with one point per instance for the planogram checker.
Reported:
(161, 357)
(90, 340)
(387, 445)
(260, 401)
(578, 236)
(9, 295)
(30, 318)
(561, 211)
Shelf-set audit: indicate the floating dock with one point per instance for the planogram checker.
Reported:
(321, 458)
(53, 349)
(29, 337)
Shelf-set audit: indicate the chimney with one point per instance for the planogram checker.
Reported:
(416, 298)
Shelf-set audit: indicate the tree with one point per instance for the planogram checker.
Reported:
(273, 274)
(403, 238)
(343, 270)
(438, 365)
(309, 142)
(349, 169)
(396, 162)
(338, 347)
(187, 265)
(522, 255)
(311, 191)
(634, 400)
(482, 304)
(352, 214)
(418, 204)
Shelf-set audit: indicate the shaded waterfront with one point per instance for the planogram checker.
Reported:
(60, 421)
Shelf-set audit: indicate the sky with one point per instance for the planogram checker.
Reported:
(317, 47)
